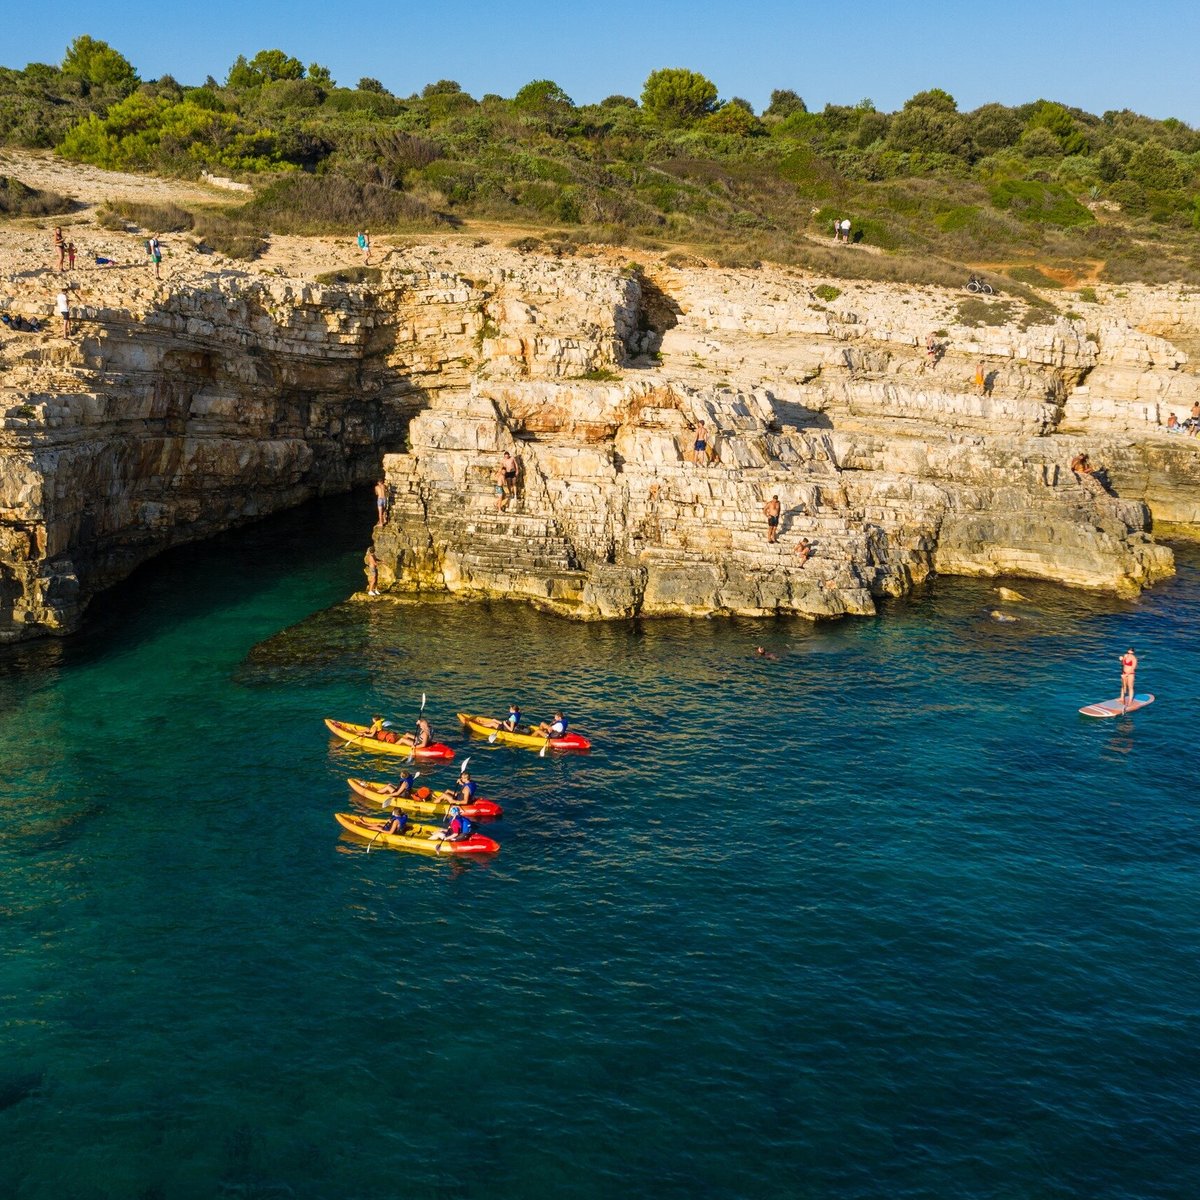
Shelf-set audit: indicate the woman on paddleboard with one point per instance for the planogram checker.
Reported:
(1129, 664)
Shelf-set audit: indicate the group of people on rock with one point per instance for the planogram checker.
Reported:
(1190, 425)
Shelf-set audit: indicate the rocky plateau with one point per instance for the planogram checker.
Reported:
(222, 393)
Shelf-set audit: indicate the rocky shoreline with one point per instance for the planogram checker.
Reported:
(221, 395)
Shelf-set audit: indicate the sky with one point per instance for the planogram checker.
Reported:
(1095, 55)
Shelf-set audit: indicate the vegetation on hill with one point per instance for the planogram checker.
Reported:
(929, 186)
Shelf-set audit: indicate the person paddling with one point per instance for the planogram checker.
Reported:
(458, 827)
(423, 737)
(1129, 664)
(402, 787)
(465, 790)
(397, 822)
(552, 729)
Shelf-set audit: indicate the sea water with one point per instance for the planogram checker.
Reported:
(883, 916)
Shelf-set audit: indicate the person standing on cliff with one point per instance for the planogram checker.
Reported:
(371, 564)
(500, 487)
(381, 499)
(980, 379)
(364, 244)
(700, 444)
(60, 245)
(63, 307)
(154, 249)
(771, 511)
(509, 467)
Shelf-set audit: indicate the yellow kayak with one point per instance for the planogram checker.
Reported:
(422, 839)
(420, 801)
(386, 741)
(484, 727)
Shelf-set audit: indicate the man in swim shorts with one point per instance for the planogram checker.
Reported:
(508, 466)
(700, 445)
(771, 511)
(380, 502)
(1129, 664)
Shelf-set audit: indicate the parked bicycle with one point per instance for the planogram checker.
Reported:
(980, 287)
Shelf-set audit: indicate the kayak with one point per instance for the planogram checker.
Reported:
(532, 741)
(349, 732)
(421, 801)
(420, 839)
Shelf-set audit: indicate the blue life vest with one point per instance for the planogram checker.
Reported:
(558, 728)
(469, 788)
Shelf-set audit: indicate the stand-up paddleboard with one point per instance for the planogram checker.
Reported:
(1114, 708)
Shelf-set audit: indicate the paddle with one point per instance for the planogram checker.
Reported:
(412, 750)
(365, 733)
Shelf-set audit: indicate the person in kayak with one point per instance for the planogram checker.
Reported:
(466, 789)
(512, 720)
(552, 729)
(1129, 664)
(402, 787)
(423, 737)
(458, 827)
(397, 822)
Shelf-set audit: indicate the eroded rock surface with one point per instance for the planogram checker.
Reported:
(183, 408)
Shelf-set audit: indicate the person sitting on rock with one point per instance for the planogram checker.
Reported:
(1081, 465)
(804, 550)
(1173, 425)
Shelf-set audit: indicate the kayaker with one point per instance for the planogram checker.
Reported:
(377, 723)
(423, 736)
(513, 720)
(458, 827)
(397, 822)
(552, 729)
(402, 787)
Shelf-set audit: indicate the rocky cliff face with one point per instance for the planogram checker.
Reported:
(181, 410)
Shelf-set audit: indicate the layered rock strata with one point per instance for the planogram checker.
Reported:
(186, 408)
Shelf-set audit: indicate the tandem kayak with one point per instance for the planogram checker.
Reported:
(421, 801)
(421, 839)
(359, 735)
(533, 741)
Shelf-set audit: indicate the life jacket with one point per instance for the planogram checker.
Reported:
(469, 787)
(388, 735)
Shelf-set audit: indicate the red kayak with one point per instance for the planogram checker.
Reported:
(384, 742)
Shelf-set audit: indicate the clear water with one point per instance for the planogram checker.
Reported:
(882, 918)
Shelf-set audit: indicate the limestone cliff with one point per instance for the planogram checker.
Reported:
(180, 409)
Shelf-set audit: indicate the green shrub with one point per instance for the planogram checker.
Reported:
(351, 275)
(600, 375)
(231, 237)
(153, 218)
(18, 200)
(311, 204)
(827, 292)
(1032, 276)
(1088, 295)
(1039, 202)
(976, 311)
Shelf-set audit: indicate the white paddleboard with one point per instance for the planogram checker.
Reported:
(1114, 708)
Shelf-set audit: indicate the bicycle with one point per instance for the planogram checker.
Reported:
(979, 287)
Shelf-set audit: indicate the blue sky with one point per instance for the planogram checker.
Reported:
(1096, 55)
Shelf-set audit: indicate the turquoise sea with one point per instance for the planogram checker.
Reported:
(882, 918)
